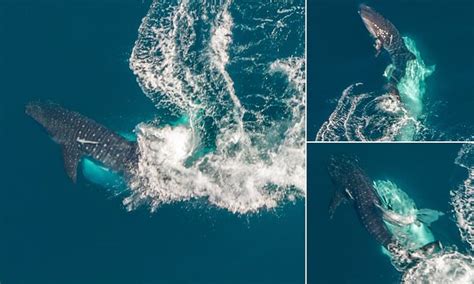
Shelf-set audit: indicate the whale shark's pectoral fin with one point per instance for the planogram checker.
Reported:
(71, 157)
(337, 199)
(378, 46)
(428, 216)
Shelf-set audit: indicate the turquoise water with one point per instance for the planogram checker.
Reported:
(412, 86)
(178, 220)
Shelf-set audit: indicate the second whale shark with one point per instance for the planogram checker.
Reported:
(353, 185)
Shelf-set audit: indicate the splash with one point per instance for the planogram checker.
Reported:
(381, 116)
(412, 86)
(449, 267)
(232, 150)
(462, 198)
(362, 116)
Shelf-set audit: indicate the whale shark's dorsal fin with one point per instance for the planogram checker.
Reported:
(72, 156)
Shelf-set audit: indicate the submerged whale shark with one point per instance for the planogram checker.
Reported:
(387, 37)
(354, 185)
(81, 137)
(410, 225)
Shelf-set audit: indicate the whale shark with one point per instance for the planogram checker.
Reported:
(353, 185)
(387, 37)
(81, 137)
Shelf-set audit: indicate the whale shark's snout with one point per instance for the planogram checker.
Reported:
(365, 9)
(371, 19)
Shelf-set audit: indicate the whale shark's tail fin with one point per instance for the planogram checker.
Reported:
(428, 216)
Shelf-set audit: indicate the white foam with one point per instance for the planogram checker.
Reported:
(294, 69)
(462, 198)
(155, 56)
(373, 117)
(368, 117)
(240, 183)
(448, 267)
(221, 38)
(245, 171)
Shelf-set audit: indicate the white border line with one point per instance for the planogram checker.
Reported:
(306, 140)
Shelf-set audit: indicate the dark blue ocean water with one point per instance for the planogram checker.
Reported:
(340, 250)
(76, 53)
(340, 53)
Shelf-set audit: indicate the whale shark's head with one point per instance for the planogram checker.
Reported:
(340, 165)
(49, 115)
(342, 161)
(375, 23)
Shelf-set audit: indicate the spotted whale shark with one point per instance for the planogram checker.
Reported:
(81, 137)
(354, 185)
(387, 37)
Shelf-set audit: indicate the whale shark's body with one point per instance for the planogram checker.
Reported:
(387, 37)
(352, 183)
(81, 137)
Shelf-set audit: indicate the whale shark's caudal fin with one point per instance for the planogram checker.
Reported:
(428, 216)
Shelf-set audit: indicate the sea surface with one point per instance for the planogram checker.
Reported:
(213, 92)
(437, 93)
(433, 176)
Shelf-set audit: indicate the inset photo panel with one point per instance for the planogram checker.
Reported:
(390, 213)
(390, 70)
